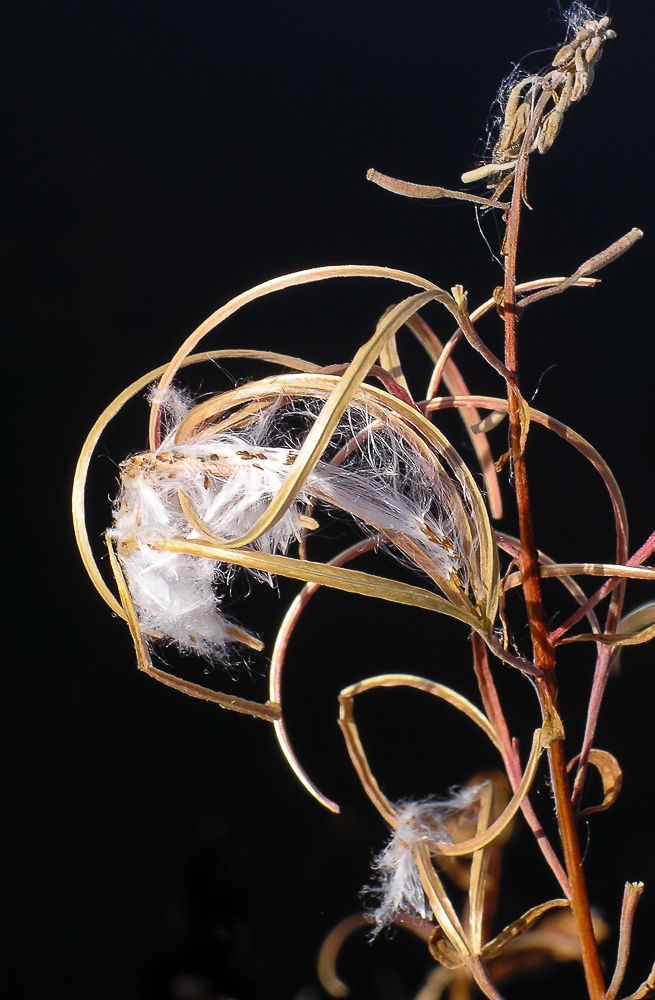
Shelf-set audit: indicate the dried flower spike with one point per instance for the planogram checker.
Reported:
(535, 104)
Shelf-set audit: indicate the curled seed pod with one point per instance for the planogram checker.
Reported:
(223, 462)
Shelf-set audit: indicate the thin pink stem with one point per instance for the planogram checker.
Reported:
(444, 357)
(493, 708)
(602, 671)
(279, 655)
(637, 559)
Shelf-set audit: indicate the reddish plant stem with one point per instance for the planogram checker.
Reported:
(529, 564)
(494, 711)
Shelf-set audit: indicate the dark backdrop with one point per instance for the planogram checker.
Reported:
(166, 156)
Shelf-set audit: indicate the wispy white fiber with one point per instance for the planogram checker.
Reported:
(230, 479)
(397, 887)
(576, 16)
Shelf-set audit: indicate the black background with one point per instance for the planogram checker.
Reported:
(166, 156)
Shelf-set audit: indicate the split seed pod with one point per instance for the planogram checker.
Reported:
(220, 468)
(233, 481)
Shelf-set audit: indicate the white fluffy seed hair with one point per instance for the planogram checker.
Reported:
(576, 16)
(397, 887)
(231, 478)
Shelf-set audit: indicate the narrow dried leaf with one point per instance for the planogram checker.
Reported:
(479, 871)
(390, 361)
(140, 645)
(631, 638)
(489, 423)
(360, 762)
(446, 694)
(350, 580)
(551, 569)
(277, 663)
(440, 904)
(640, 618)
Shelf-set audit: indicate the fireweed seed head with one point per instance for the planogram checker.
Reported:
(405, 481)
(229, 479)
(397, 887)
(228, 469)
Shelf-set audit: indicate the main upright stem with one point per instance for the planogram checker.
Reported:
(529, 565)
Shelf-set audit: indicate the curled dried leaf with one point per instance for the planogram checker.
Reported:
(611, 775)
(518, 927)
(443, 951)
(326, 966)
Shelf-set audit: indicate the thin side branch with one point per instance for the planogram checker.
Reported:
(589, 267)
(411, 190)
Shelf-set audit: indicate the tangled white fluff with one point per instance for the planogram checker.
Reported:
(397, 888)
(230, 479)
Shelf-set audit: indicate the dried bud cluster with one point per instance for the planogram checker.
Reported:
(568, 80)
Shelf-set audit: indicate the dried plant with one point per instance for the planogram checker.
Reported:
(232, 482)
